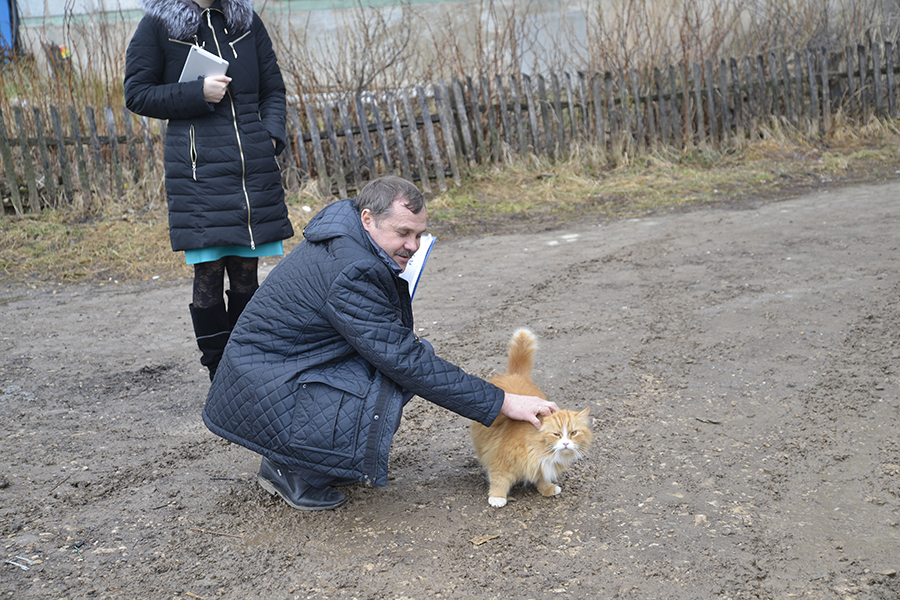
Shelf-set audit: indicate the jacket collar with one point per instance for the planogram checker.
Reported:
(182, 17)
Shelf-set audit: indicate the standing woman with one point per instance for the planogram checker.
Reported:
(223, 186)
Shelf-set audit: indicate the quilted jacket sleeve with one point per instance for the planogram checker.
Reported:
(147, 92)
(362, 307)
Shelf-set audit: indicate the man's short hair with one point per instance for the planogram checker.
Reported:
(379, 195)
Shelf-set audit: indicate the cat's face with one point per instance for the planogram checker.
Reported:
(566, 432)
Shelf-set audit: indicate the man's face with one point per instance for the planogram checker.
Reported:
(398, 233)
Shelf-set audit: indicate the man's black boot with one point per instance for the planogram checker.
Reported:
(280, 480)
(212, 329)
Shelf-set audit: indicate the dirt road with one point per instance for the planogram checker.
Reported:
(741, 364)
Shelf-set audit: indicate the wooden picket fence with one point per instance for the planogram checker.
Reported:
(433, 134)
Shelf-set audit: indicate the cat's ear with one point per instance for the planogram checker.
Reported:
(585, 412)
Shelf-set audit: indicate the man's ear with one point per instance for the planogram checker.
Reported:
(368, 221)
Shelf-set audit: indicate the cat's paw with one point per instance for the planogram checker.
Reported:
(557, 490)
(497, 502)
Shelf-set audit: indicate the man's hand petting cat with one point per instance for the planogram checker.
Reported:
(527, 408)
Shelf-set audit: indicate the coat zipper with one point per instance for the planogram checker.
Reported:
(233, 42)
(237, 134)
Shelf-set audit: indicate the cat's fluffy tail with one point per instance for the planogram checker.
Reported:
(522, 347)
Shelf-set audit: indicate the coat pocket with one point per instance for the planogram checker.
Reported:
(328, 413)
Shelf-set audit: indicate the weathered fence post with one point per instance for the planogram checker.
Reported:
(10, 167)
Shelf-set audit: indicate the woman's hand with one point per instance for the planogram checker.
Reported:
(214, 88)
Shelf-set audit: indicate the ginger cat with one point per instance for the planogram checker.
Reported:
(513, 451)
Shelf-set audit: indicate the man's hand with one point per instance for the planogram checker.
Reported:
(527, 408)
(214, 88)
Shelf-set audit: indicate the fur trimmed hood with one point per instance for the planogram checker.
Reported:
(182, 17)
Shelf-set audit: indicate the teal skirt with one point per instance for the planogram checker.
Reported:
(202, 255)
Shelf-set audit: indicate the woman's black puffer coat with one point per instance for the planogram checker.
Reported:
(222, 181)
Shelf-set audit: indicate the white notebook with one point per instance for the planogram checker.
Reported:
(201, 64)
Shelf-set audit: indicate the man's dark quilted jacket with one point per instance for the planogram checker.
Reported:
(315, 370)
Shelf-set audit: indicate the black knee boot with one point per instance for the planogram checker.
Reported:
(237, 301)
(212, 328)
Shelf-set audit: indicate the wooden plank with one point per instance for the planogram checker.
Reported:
(516, 102)
(863, 80)
(432, 139)
(724, 110)
(100, 177)
(113, 142)
(99, 174)
(148, 143)
(555, 106)
(437, 159)
(337, 158)
(891, 82)
(62, 154)
(10, 167)
(585, 126)
(765, 101)
(84, 181)
(698, 99)
(132, 144)
(826, 90)
(490, 119)
(738, 98)
(302, 159)
(545, 108)
(615, 141)
(398, 136)
(384, 146)
(536, 145)
(507, 133)
(662, 103)
(653, 131)
(321, 166)
(626, 115)
(813, 92)
(573, 106)
(752, 100)
(777, 109)
(850, 64)
(413, 135)
(481, 150)
(287, 161)
(599, 121)
(34, 199)
(711, 104)
(802, 109)
(350, 143)
(445, 92)
(786, 87)
(679, 109)
(442, 105)
(363, 122)
(877, 84)
(46, 166)
(469, 152)
(640, 130)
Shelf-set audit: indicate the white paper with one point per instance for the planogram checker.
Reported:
(413, 270)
